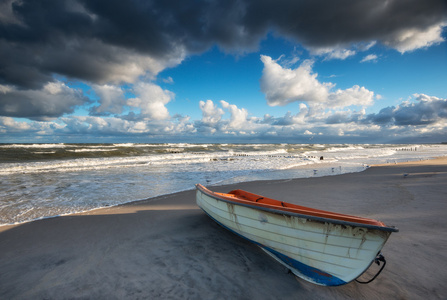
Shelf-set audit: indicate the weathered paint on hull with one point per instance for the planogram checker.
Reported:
(319, 252)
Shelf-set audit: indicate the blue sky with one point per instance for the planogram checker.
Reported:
(73, 71)
(220, 76)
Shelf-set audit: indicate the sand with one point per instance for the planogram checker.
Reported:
(167, 248)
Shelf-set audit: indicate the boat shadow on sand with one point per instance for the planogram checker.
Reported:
(144, 249)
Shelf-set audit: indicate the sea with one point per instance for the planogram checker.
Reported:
(46, 180)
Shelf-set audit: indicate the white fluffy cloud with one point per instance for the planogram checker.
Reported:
(211, 114)
(353, 96)
(11, 125)
(415, 38)
(369, 58)
(238, 116)
(333, 53)
(229, 120)
(111, 99)
(115, 126)
(151, 100)
(424, 117)
(282, 86)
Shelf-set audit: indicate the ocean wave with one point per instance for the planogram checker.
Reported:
(275, 159)
(46, 180)
(33, 146)
(92, 150)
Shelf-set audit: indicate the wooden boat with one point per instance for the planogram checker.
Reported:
(322, 247)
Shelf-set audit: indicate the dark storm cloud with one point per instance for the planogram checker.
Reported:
(324, 23)
(427, 110)
(78, 38)
(384, 117)
(54, 100)
(155, 27)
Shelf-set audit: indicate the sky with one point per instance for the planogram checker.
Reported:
(236, 71)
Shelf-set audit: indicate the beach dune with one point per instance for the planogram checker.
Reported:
(167, 248)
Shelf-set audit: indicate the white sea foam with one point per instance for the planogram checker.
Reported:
(173, 158)
(92, 150)
(33, 146)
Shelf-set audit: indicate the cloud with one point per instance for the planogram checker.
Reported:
(228, 120)
(151, 100)
(238, 116)
(369, 58)
(410, 39)
(79, 40)
(424, 118)
(211, 114)
(212, 117)
(6, 13)
(301, 118)
(116, 127)
(32, 130)
(353, 96)
(328, 24)
(53, 100)
(282, 86)
(131, 42)
(9, 125)
(124, 40)
(332, 53)
(78, 58)
(427, 110)
(344, 117)
(111, 100)
(103, 126)
(168, 80)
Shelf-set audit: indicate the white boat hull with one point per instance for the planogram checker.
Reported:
(320, 252)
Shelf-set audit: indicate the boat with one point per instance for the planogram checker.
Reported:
(322, 247)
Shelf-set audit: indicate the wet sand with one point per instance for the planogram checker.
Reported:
(167, 248)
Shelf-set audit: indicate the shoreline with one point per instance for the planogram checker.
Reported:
(321, 165)
(166, 247)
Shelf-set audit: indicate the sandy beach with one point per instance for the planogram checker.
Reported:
(167, 248)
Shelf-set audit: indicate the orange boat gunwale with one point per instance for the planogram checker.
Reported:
(259, 202)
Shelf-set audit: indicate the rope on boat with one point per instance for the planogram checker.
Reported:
(379, 258)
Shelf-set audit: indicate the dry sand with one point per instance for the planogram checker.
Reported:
(167, 248)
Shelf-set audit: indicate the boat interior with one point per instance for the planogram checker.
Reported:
(251, 199)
